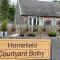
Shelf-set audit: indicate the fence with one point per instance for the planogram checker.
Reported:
(37, 29)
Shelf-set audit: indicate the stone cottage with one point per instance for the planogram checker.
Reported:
(34, 15)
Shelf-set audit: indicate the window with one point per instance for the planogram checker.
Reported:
(40, 21)
(48, 22)
(37, 21)
(30, 21)
(34, 21)
(54, 22)
(58, 22)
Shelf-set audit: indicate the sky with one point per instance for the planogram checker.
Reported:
(45, 0)
(14, 1)
(40, 0)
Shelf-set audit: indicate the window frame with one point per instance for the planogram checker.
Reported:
(46, 21)
(41, 22)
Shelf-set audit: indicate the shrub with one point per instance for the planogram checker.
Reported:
(4, 25)
(52, 34)
(31, 34)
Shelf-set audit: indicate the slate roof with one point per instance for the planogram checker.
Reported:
(40, 8)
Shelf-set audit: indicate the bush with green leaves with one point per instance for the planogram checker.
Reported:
(4, 25)
(31, 34)
(52, 34)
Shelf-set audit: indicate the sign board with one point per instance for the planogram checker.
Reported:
(16, 49)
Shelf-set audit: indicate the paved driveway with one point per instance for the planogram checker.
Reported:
(55, 49)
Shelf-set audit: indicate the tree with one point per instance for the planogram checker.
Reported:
(4, 9)
(7, 10)
(12, 12)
